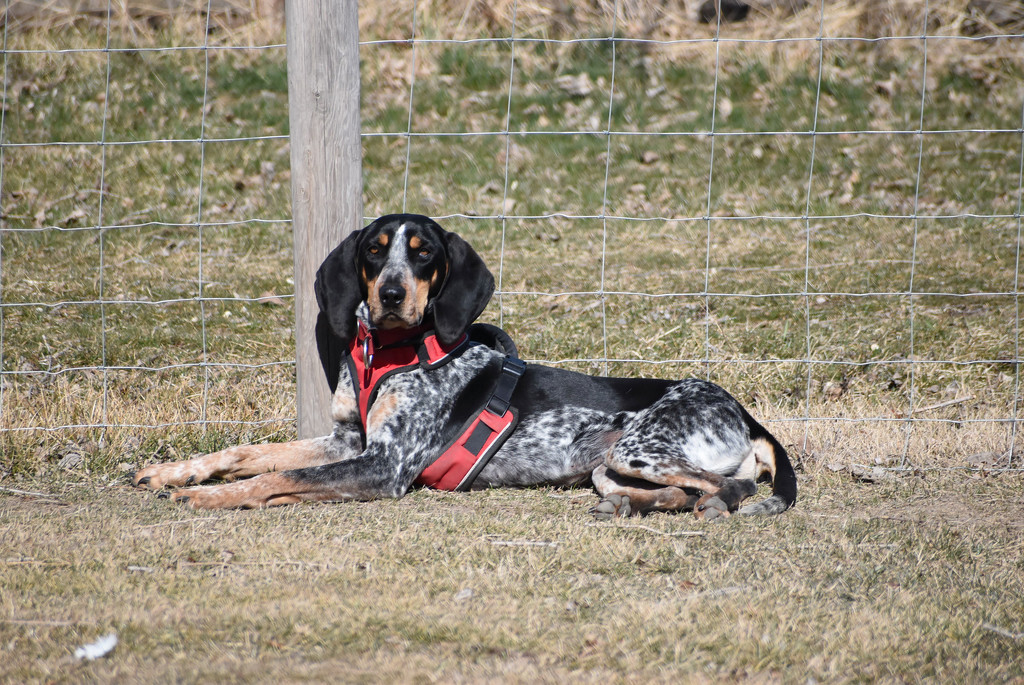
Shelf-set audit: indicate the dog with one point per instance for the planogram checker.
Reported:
(423, 396)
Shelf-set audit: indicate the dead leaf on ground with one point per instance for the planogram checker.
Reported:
(984, 460)
(871, 474)
(270, 299)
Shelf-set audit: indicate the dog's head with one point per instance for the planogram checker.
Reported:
(410, 272)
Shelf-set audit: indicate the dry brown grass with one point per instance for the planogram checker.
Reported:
(912, 573)
(905, 579)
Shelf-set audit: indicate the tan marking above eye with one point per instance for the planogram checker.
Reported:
(415, 242)
(383, 239)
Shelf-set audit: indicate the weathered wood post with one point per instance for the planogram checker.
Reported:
(326, 160)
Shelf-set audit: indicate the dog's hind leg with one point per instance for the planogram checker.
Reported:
(664, 489)
(695, 438)
(624, 496)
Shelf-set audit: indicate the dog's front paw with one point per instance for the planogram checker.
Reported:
(207, 497)
(267, 490)
(210, 497)
(612, 506)
(195, 498)
(177, 474)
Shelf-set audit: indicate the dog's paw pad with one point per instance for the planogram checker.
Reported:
(603, 511)
(612, 506)
(711, 509)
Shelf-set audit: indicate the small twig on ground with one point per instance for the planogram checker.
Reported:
(40, 622)
(572, 495)
(1003, 631)
(937, 405)
(176, 522)
(29, 493)
(869, 545)
(258, 564)
(680, 533)
(522, 543)
(21, 562)
(718, 592)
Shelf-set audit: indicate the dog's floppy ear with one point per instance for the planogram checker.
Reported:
(338, 293)
(466, 290)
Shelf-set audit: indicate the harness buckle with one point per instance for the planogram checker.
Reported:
(512, 369)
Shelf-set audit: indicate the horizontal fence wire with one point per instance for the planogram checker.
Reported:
(702, 218)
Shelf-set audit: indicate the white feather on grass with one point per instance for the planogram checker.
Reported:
(98, 649)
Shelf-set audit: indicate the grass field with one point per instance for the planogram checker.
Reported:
(903, 581)
(837, 298)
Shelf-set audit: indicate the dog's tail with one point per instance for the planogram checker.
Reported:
(775, 462)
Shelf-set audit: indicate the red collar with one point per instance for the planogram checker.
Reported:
(377, 354)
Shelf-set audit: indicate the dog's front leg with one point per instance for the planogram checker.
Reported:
(368, 476)
(401, 441)
(243, 461)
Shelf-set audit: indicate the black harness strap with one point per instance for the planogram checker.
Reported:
(512, 369)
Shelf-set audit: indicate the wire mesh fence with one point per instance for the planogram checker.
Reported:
(818, 206)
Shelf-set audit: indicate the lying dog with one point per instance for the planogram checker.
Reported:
(418, 400)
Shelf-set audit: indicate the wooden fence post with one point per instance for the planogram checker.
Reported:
(326, 161)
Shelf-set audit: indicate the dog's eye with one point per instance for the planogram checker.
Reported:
(424, 252)
(373, 249)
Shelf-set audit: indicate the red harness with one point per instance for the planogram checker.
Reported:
(377, 355)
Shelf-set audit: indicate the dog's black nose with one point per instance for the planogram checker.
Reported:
(391, 294)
